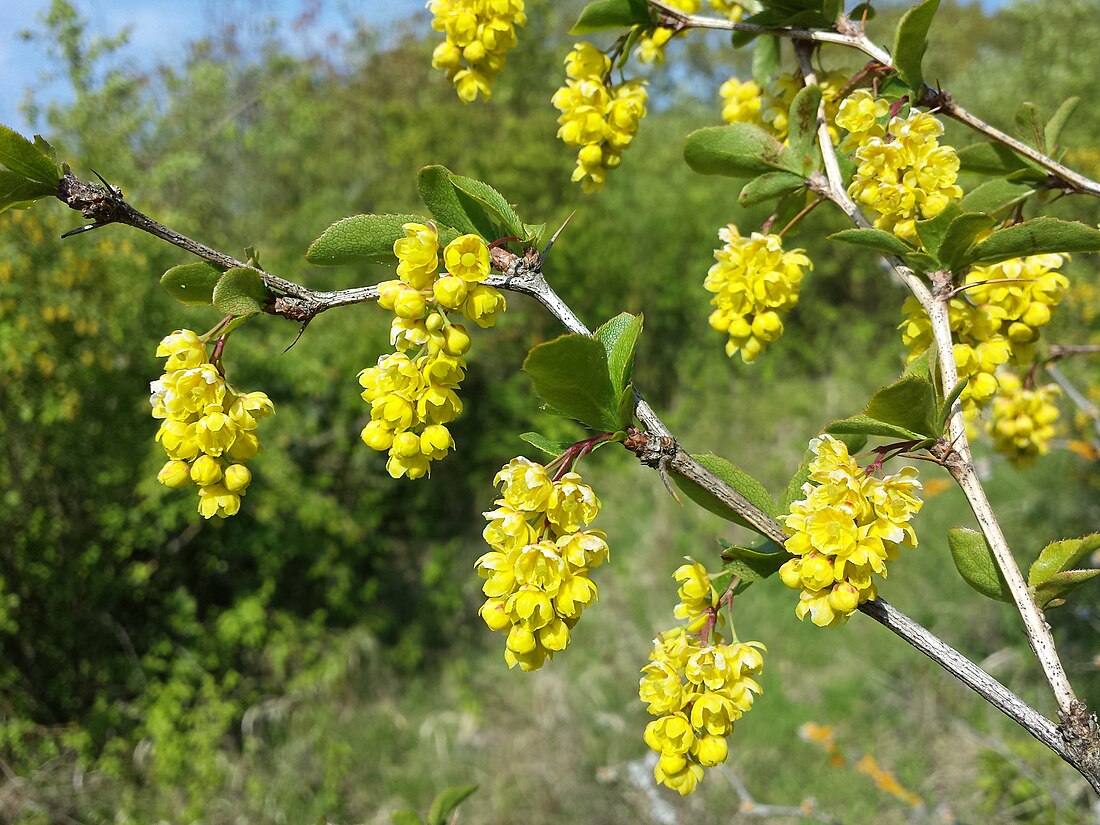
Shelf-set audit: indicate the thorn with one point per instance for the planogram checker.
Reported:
(662, 470)
(553, 240)
(298, 337)
(86, 228)
(113, 190)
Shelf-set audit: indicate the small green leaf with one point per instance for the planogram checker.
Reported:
(739, 150)
(611, 14)
(360, 238)
(865, 425)
(949, 402)
(1053, 130)
(494, 203)
(192, 284)
(1028, 126)
(975, 563)
(769, 186)
(765, 60)
(446, 801)
(876, 239)
(534, 233)
(570, 374)
(736, 478)
(990, 159)
(960, 237)
(1053, 592)
(911, 40)
(17, 191)
(240, 291)
(403, 818)
(1059, 556)
(451, 206)
(862, 9)
(27, 160)
(909, 403)
(932, 231)
(619, 337)
(546, 445)
(1036, 237)
(802, 128)
(753, 564)
(995, 195)
(923, 366)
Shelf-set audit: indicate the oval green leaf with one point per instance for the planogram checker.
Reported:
(240, 291)
(24, 158)
(570, 374)
(975, 563)
(739, 150)
(1036, 237)
(192, 284)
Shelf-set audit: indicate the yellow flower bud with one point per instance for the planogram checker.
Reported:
(174, 474)
(456, 340)
(237, 478)
(388, 292)
(377, 435)
(410, 304)
(450, 291)
(206, 471)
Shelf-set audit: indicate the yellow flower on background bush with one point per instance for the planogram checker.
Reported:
(208, 428)
(697, 685)
(413, 390)
(754, 281)
(845, 530)
(747, 102)
(479, 33)
(599, 118)
(537, 575)
(1023, 419)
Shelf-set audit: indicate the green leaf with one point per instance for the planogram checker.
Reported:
(405, 818)
(753, 564)
(923, 366)
(911, 41)
(192, 284)
(360, 238)
(862, 9)
(865, 425)
(992, 196)
(1028, 126)
(571, 374)
(240, 291)
(960, 237)
(765, 60)
(948, 403)
(446, 801)
(876, 239)
(769, 186)
(975, 563)
(932, 231)
(451, 206)
(611, 14)
(534, 233)
(739, 150)
(1053, 592)
(736, 478)
(494, 203)
(1059, 556)
(990, 159)
(619, 337)
(802, 128)
(1036, 237)
(909, 403)
(17, 191)
(1053, 129)
(27, 160)
(546, 445)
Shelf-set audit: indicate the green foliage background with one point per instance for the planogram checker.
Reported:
(309, 656)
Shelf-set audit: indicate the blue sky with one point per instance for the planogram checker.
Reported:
(159, 28)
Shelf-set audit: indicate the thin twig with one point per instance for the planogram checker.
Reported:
(1074, 395)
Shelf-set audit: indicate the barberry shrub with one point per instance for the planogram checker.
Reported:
(982, 267)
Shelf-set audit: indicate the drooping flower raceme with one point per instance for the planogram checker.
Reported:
(907, 175)
(754, 281)
(848, 526)
(413, 390)
(479, 33)
(697, 685)
(1023, 419)
(537, 575)
(208, 428)
(598, 118)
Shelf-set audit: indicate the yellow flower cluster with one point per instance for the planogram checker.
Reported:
(412, 390)
(754, 281)
(994, 322)
(479, 34)
(599, 118)
(747, 102)
(208, 428)
(696, 685)
(537, 573)
(906, 175)
(1022, 422)
(848, 526)
(859, 114)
